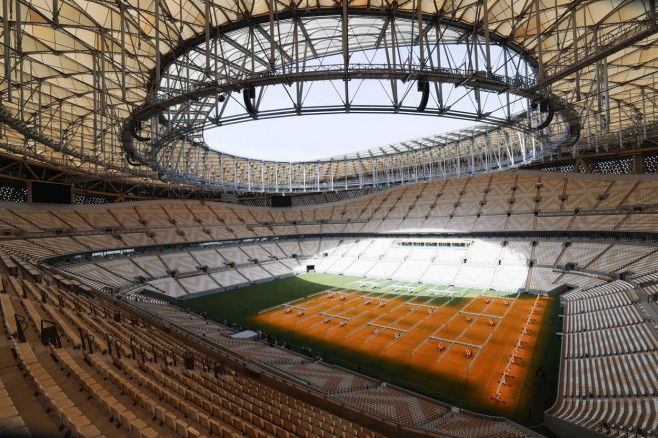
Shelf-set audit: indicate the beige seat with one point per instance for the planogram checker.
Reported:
(89, 431)
(215, 427)
(149, 405)
(9, 424)
(170, 420)
(160, 413)
(108, 402)
(148, 433)
(137, 426)
(116, 410)
(75, 424)
(127, 417)
(8, 411)
(226, 433)
(193, 433)
(181, 427)
(60, 407)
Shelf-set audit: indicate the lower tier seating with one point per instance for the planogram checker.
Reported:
(107, 371)
(609, 368)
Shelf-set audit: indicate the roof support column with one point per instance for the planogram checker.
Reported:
(157, 42)
(262, 176)
(7, 48)
(598, 90)
(574, 36)
(207, 32)
(235, 174)
(391, 60)
(606, 95)
(644, 116)
(523, 151)
(61, 137)
(388, 170)
(358, 163)
(249, 174)
(346, 56)
(295, 45)
(589, 132)
(621, 138)
(331, 174)
(507, 104)
(123, 52)
(527, 101)
(19, 51)
(221, 170)
(421, 32)
(82, 140)
(272, 55)
(416, 165)
(94, 81)
(474, 48)
(540, 71)
(39, 113)
(459, 158)
(485, 22)
(372, 170)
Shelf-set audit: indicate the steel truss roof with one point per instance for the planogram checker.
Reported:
(84, 81)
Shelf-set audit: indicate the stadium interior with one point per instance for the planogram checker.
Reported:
(499, 280)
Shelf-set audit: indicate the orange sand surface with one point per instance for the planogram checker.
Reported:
(481, 373)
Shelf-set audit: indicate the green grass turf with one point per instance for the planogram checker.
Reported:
(242, 305)
(540, 393)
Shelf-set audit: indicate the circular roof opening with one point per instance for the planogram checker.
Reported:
(443, 75)
(446, 77)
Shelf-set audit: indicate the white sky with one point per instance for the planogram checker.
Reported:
(300, 138)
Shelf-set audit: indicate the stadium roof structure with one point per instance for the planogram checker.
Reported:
(124, 89)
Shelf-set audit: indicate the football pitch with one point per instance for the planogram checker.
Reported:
(476, 349)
